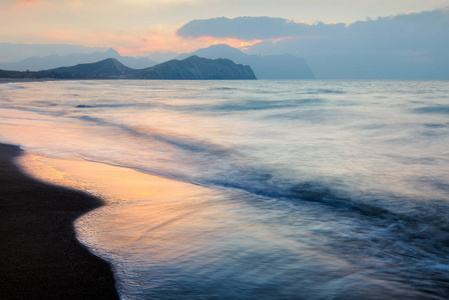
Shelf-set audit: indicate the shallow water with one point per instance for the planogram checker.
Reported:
(290, 189)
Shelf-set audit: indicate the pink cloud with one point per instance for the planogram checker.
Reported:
(159, 38)
(24, 4)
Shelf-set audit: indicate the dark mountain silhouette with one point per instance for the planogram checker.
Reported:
(16, 74)
(285, 66)
(110, 67)
(36, 63)
(191, 68)
(195, 67)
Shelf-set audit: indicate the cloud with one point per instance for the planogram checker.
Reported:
(253, 28)
(160, 2)
(157, 38)
(24, 4)
(413, 45)
(27, 2)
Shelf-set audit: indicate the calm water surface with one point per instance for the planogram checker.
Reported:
(296, 189)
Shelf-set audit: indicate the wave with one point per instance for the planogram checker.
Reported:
(436, 125)
(226, 167)
(10, 86)
(117, 105)
(324, 91)
(186, 143)
(249, 105)
(432, 110)
(412, 231)
(223, 89)
(37, 109)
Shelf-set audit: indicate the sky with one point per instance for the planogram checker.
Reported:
(140, 27)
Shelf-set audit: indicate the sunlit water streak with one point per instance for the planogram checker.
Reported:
(278, 189)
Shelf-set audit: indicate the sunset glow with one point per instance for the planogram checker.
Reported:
(29, 4)
(137, 27)
(224, 149)
(170, 42)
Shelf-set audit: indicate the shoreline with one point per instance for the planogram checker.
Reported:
(19, 80)
(40, 256)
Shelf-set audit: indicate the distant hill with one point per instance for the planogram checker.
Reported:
(190, 68)
(36, 63)
(16, 74)
(108, 68)
(284, 66)
(10, 52)
(195, 67)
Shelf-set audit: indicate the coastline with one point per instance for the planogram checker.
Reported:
(40, 257)
(18, 80)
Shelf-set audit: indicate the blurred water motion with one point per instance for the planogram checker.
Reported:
(243, 190)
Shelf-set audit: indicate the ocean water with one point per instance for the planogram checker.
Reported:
(290, 189)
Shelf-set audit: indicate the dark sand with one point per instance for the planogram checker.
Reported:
(40, 257)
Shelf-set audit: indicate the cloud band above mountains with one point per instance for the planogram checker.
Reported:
(413, 45)
(260, 28)
(253, 28)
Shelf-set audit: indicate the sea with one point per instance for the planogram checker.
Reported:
(274, 189)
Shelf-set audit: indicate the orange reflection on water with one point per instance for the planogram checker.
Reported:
(106, 181)
(142, 209)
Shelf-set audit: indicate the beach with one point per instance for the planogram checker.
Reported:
(40, 257)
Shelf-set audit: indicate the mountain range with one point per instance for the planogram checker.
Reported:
(10, 52)
(193, 67)
(284, 66)
(36, 63)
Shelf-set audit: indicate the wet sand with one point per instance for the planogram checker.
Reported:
(40, 257)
